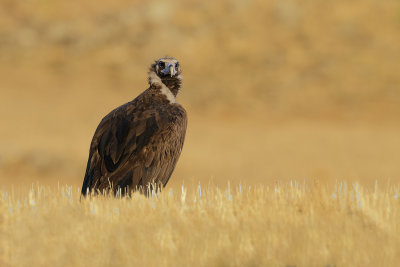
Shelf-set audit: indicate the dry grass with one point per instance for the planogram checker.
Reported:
(293, 224)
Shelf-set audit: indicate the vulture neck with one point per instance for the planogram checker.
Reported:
(168, 86)
(173, 84)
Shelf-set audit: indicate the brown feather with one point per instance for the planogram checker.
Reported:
(137, 143)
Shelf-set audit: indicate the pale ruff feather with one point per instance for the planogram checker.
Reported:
(155, 80)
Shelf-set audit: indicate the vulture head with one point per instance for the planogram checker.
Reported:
(168, 71)
(167, 67)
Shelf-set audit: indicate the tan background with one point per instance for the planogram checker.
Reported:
(275, 90)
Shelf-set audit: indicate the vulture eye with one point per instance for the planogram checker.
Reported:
(161, 64)
(177, 65)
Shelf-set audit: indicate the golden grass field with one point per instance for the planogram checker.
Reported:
(276, 91)
(292, 224)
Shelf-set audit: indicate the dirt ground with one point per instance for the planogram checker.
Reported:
(274, 90)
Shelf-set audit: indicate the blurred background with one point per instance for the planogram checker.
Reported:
(275, 89)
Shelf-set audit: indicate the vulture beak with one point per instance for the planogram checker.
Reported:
(169, 69)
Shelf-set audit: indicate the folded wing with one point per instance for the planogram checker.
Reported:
(132, 148)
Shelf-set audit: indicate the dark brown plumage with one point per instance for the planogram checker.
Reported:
(139, 143)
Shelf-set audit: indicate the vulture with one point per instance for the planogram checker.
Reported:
(137, 145)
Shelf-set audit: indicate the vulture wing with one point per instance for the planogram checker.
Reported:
(134, 146)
